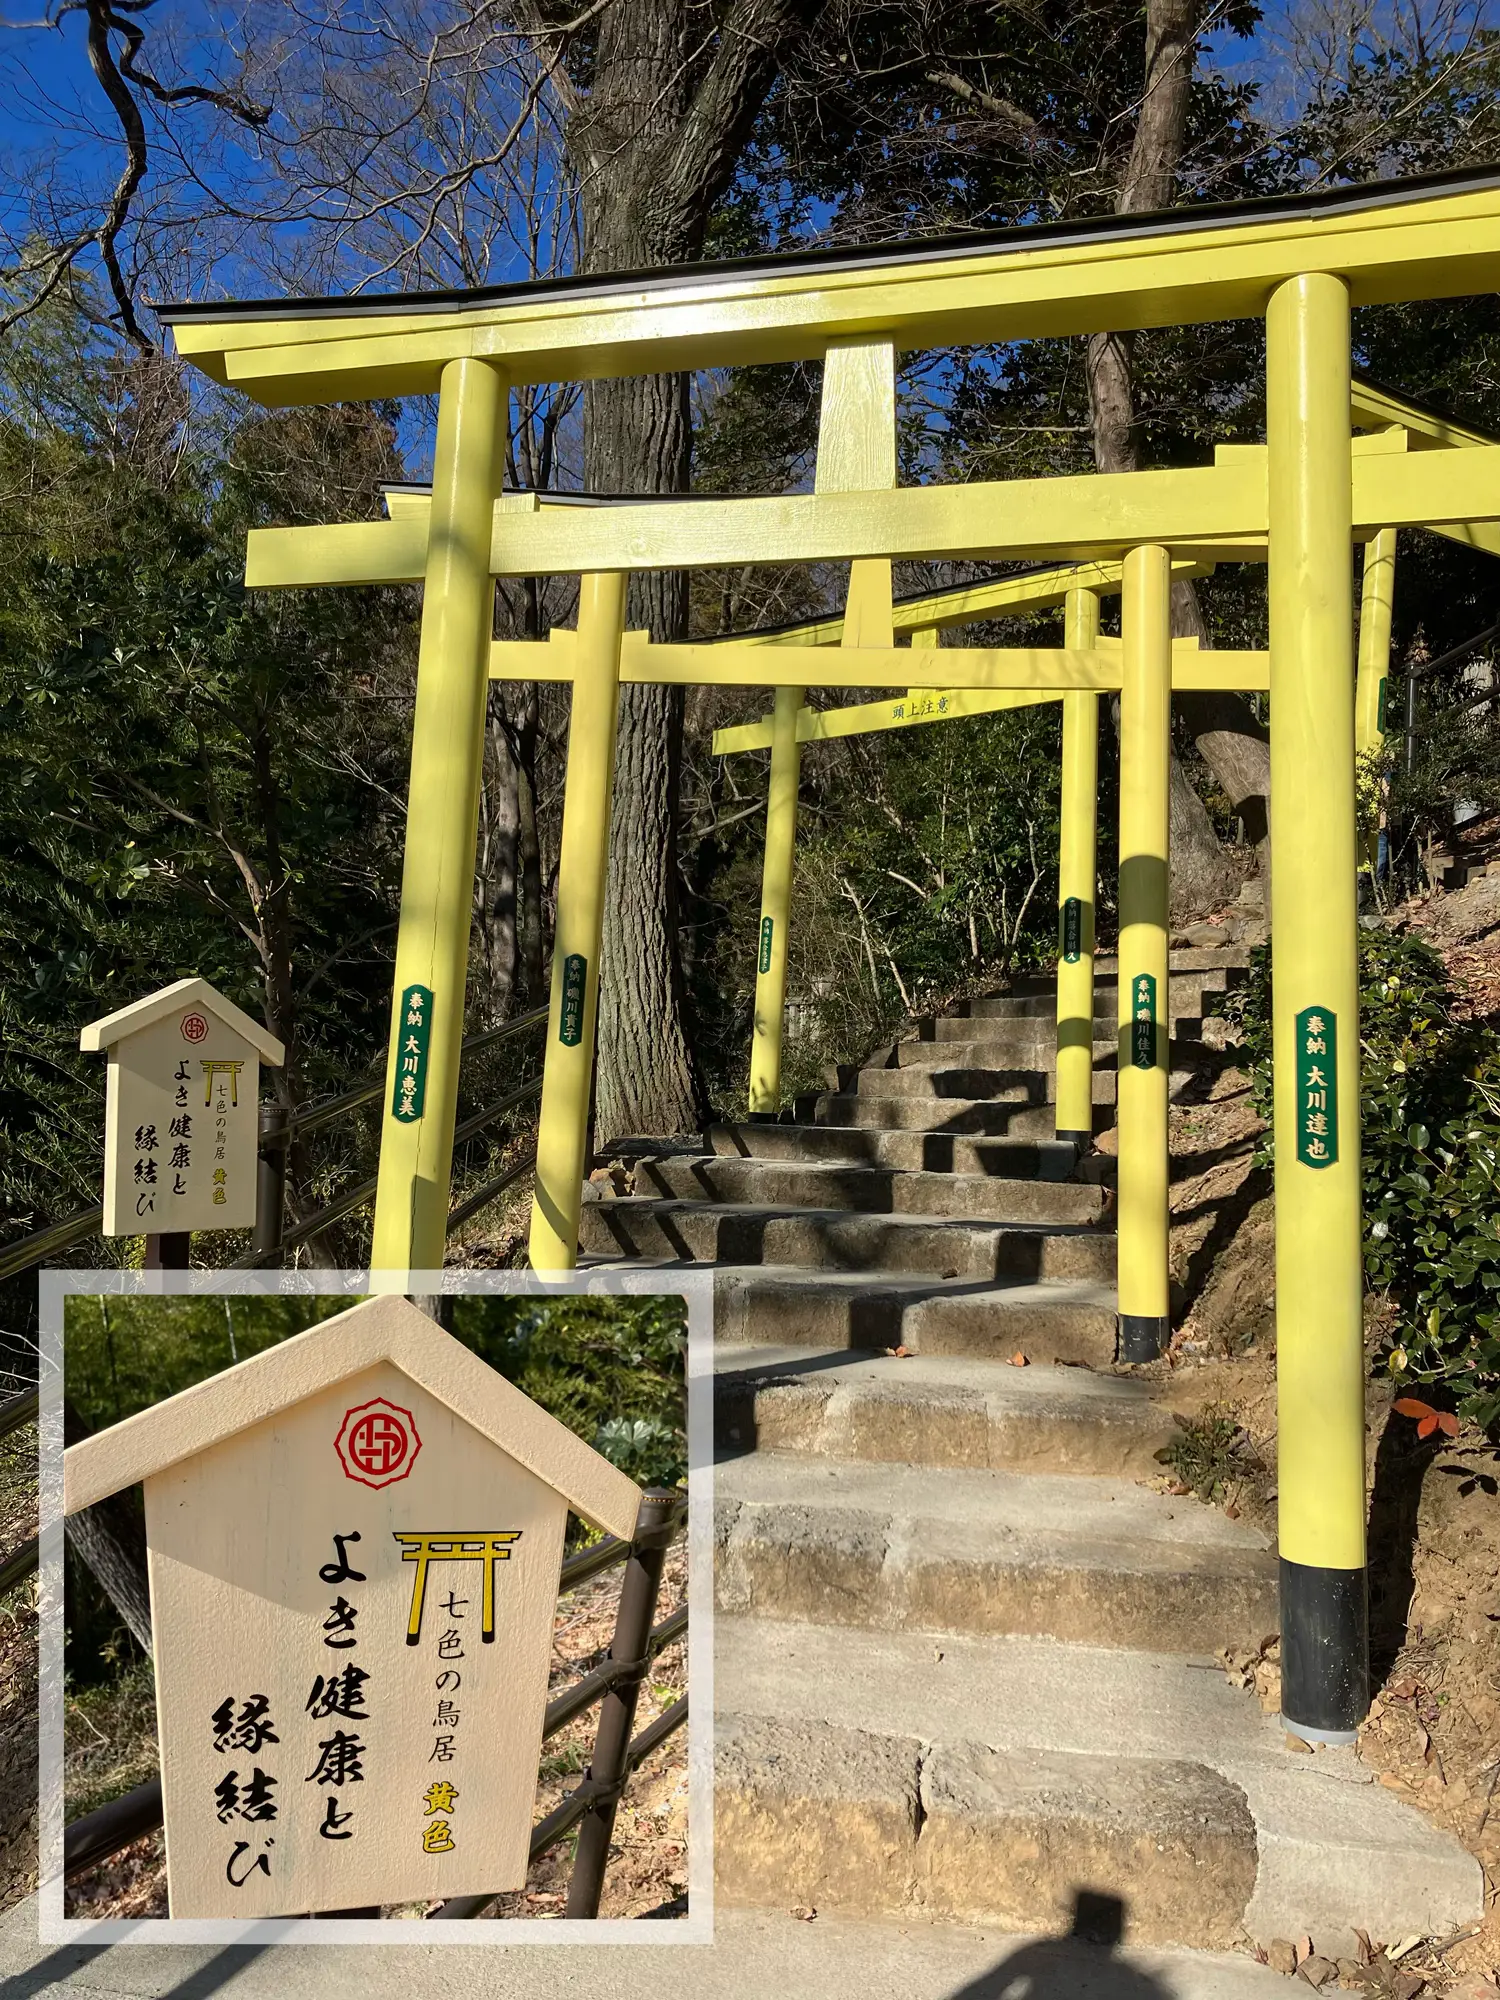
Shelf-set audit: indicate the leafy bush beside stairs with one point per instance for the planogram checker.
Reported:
(1430, 1130)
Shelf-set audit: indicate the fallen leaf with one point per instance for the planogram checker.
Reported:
(1318, 1971)
(1304, 1948)
(803, 1915)
(1296, 1743)
(1232, 1511)
(1019, 1360)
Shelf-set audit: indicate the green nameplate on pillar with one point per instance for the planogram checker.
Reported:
(1143, 1021)
(1072, 930)
(1317, 1087)
(410, 1094)
(575, 985)
(767, 932)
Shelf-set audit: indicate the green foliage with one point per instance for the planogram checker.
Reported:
(206, 781)
(609, 1368)
(1430, 1140)
(1210, 1453)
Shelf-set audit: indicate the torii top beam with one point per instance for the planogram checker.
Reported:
(1433, 237)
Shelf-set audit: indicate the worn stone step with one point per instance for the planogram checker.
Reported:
(935, 1411)
(1024, 1084)
(953, 1116)
(1040, 1766)
(836, 1240)
(874, 1190)
(753, 1952)
(783, 1305)
(936, 1152)
(1015, 1045)
(877, 1825)
(900, 1548)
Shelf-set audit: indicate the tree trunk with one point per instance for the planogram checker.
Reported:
(1224, 727)
(112, 1542)
(530, 943)
(655, 143)
(495, 877)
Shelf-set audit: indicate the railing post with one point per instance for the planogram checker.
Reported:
(582, 873)
(775, 907)
(1315, 1004)
(275, 1137)
(633, 1621)
(1077, 887)
(437, 876)
(1144, 1047)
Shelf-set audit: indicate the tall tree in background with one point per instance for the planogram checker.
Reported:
(1226, 730)
(656, 128)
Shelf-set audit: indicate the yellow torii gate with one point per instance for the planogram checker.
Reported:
(1301, 262)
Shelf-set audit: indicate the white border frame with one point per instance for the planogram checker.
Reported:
(695, 1288)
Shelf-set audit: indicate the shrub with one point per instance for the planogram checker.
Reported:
(1430, 1137)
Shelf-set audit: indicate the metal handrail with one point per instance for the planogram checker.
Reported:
(42, 1243)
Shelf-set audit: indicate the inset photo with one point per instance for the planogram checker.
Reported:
(372, 1610)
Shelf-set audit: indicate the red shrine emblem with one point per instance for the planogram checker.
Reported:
(194, 1028)
(377, 1443)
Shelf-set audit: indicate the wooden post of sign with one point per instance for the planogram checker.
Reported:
(582, 873)
(1144, 1045)
(1320, 1363)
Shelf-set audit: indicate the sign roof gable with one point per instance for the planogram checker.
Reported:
(103, 1034)
(376, 1330)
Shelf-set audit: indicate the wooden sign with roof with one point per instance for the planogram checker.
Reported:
(354, 1542)
(181, 1110)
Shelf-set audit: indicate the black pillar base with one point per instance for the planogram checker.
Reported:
(1325, 1651)
(763, 1118)
(1142, 1336)
(1082, 1140)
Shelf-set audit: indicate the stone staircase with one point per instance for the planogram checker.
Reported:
(963, 1657)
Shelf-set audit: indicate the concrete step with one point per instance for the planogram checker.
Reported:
(753, 1952)
(965, 1116)
(860, 1771)
(1021, 1085)
(783, 1305)
(1014, 1045)
(948, 1115)
(935, 1152)
(871, 1190)
(836, 1240)
(900, 1548)
(935, 1411)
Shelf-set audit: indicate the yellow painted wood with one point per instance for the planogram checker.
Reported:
(447, 749)
(857, 453)
(1209, 511)
(1429, 244)
(1376, 602)
(1077, 880)
(1319, 1273)
(582, 873)
(1376, 409)
(775, 906)
(1141, 1102)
